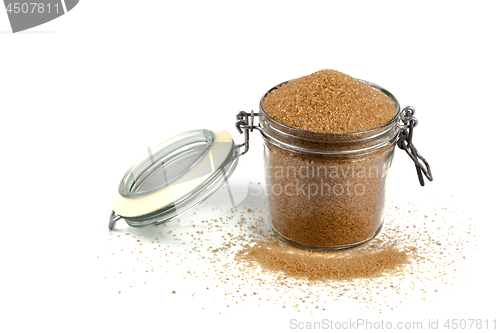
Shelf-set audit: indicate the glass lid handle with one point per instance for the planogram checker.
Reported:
(244, 124)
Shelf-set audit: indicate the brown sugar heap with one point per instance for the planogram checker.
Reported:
(329, 101)
(368, 261)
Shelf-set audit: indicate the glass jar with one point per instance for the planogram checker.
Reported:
(326, 191)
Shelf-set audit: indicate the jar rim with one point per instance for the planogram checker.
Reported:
(335, 136)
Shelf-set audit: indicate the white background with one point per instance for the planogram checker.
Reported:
(82, 96)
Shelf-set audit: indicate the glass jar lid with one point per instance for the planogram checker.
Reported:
(174, 177)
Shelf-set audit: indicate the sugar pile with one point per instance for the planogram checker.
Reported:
(367, 261)
(329, 101)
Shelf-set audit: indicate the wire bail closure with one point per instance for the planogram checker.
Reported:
(244, 124)
(405, 142)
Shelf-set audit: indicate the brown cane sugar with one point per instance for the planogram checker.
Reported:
(329, 101)
(337, 208)
(320, 200)
(368, 261)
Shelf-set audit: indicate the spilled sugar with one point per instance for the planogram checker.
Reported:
(367, 261)
(234, 259)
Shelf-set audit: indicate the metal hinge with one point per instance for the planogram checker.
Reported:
(244, 124)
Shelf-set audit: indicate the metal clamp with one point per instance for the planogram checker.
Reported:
(405, 142)
(113, 218)
(244, 124)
